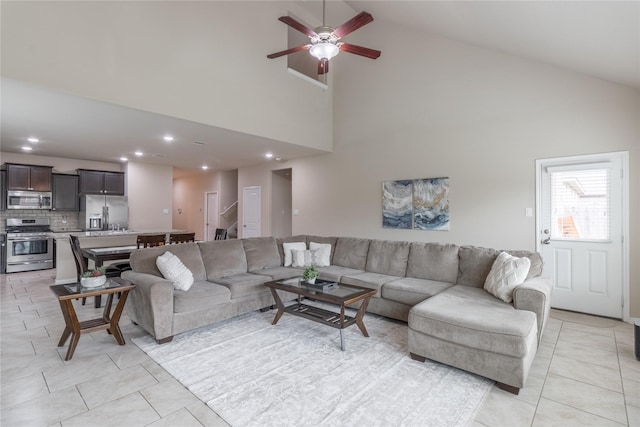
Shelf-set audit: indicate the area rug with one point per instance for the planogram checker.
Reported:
(292, 374)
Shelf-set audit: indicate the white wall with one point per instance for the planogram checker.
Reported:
(482, 118)
(203, 61)
(149, 188)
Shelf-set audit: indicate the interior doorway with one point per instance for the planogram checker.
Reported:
(251, 212)
(281, 203)
(582, 217)
(212, 215)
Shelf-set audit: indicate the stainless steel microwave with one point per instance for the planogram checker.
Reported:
(28, 200)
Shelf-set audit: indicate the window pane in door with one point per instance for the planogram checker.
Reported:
(580, 204)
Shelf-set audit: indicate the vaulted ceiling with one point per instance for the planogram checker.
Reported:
(597, 38)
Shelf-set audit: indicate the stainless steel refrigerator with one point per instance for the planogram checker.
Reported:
(104, 212)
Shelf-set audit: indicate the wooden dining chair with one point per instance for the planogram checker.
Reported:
(182, 237)
(82, 264)
(151, 240)
(221, 234)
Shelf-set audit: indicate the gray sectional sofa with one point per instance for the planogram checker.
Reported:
(436, 288)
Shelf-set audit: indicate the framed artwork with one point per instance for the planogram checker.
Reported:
(397, 198)
(431, 204)
(419, 204)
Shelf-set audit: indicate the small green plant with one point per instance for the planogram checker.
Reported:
(310, 273)
(94, 273)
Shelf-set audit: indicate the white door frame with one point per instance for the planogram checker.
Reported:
(624, 155)
(206, 213)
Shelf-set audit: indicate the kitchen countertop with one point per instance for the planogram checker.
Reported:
(107, 233)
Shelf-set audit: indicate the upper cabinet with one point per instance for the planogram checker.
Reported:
(101, 182)
(65, 193)
(28, 177)
(3, 190)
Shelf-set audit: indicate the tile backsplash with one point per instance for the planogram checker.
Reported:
(60, 220)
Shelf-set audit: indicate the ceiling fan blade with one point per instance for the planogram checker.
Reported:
(360, 20)
(323, 66)
(359, 50)
(297, 26)
(288, 51)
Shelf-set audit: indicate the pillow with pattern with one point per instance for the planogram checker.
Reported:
(324, 256)
(288, 247)
(506, 273)
(174, 270)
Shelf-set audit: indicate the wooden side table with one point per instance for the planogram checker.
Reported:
(74, 328)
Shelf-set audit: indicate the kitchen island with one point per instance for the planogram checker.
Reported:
(65, 265)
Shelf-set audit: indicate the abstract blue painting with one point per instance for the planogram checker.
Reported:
(396, 204)
(431, 204)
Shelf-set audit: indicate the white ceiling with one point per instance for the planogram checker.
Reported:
(598, 38)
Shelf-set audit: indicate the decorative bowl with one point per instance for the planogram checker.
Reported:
(93, 282)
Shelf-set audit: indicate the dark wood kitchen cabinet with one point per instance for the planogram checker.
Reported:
(65, 193)
(101, 182)
(28, 177)
(3, 191)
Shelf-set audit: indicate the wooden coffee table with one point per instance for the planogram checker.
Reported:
(74, 328)
(342, 296)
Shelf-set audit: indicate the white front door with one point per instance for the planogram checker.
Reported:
(580, 212)
(251, 212)
(211, 216)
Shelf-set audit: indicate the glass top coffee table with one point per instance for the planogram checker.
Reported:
(341, 295)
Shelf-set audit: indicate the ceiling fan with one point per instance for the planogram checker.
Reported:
(325, 41)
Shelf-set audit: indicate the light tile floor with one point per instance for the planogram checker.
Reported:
(585, 373)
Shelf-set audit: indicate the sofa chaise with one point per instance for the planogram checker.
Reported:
(436, 288)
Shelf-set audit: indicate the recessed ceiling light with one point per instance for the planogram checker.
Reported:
(278, 158)
(198, 142)
(33, 140)
(268, 155)
(168, 138)
(27, 148)
(205, 167)
(123, 159)
(138, 153)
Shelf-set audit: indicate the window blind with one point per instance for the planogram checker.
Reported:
(580, 203)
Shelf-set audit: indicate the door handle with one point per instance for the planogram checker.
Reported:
(546, 241)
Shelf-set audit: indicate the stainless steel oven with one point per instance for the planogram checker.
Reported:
(29, 245)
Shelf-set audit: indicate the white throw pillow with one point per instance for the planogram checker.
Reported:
(506, 273)
(288, 247)
(306, 258)
(174, 270)
(324, 253)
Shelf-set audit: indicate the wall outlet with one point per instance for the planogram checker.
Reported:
(296, 212)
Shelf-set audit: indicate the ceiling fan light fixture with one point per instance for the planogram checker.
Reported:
(324, 50)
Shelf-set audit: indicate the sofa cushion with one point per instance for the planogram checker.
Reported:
(261, 252)
(369, 280)
(433, 261)
(506, 273)
(474, 265)
(387, 257)
(336, 272)
(278, 273)
(245, 284)
(202, 294)
(223, 258)
(351, 252)
(411, 291)
(144, 260)
(289, 239)
(473, 318)
(174, 270)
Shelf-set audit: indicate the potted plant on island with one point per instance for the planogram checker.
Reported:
(310, 274)
(93, 278)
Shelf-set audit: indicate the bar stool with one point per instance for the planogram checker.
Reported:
(221, 234)
(182, 237)
(151, 240)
